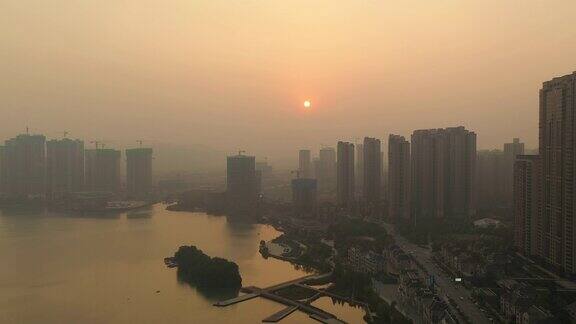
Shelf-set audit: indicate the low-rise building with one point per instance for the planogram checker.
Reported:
(571, 311)
(397, 260)
(473, 257)
(306, 227)
(535, 315)
(515, 298)
(461, 260)
(436, 311)
(419, 294)
(365, 262)
(409, 285)
(487, 296)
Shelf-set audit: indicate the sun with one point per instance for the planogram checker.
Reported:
(307, 104)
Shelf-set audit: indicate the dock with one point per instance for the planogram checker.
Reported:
(236, 300)
(291, 305)
(277, 317)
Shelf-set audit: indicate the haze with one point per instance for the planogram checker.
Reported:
(224, 76)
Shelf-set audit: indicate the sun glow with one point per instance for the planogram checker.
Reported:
(307, 104)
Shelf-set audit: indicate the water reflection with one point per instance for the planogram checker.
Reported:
(140, 213)
(93, 215)
(342, 310)
(211, 294)
(240, 229)
(21, 211)
(93, 268)
(145, 212)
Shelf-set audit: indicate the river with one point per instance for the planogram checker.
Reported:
(62, 268)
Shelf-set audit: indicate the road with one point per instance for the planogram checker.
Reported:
(445, 285)
(389, 292)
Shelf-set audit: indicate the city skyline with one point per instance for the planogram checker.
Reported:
(394, 78)
(215, 161)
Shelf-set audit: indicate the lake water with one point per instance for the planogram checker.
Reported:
(59, 268)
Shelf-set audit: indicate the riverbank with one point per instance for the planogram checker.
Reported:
(124, 271)
(318, 256)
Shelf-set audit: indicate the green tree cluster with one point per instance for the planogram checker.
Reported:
(204, 271)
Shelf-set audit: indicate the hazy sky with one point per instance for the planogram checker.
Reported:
(233, 74)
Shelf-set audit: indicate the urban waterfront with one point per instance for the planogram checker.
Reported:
(93, 268)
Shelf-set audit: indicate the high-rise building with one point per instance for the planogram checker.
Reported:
(258, 174)
(556, 140)
(139, 171)
(25, 169)
(398, 178)
(304, 164)
(304, 196)
(372, 170)
(526, 203)
(359, 168)
(2, 170)
(491, 170)
(265, 168)
(263, 175)
(443, 173)
(384, 176)
(102, 169)
(428, 160)
(511, 151)
(327, 170)
(64, 167)
(241, 184)
(461, 175)
(345, 174)
(315, 168)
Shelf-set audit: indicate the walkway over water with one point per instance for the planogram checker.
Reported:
(292, 305)
(276, 317)
(236, 300)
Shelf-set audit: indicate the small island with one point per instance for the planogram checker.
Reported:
(204, 271)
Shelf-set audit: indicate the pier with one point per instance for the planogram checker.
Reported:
(276, 317)
(292, 305)
(236, 300)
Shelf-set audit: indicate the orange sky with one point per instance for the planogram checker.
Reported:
(233, 74)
